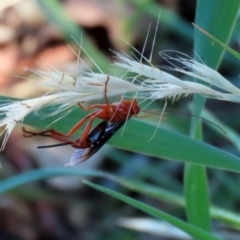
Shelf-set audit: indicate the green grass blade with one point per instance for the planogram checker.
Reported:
(146, 189)
(219, 19)
(159, 193)
(188, 228)
(136, 138)
(220, 43)
(46, 173)
(196, 192)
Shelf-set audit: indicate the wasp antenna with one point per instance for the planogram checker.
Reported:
(204, 119)
(54, 145)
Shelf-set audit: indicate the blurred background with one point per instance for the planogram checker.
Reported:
(40, 35)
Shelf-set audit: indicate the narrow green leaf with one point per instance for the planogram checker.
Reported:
(153, 191)
(188, 228)
(147, 189)
(196, 190)
(223, 45)
(219, 19)
(165, 144)
(36, 175)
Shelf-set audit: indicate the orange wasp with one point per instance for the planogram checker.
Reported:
(114, 116)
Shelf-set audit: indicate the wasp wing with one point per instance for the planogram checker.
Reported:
(98, 137)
